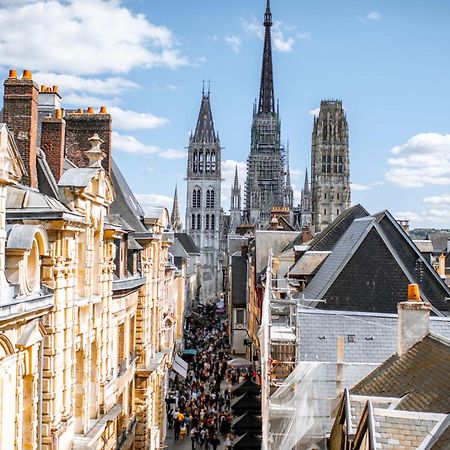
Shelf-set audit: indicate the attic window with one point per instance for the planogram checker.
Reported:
(351, 338)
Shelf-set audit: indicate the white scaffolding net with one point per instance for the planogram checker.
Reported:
(301, 409)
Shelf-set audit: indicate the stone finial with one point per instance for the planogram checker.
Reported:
(95, 153)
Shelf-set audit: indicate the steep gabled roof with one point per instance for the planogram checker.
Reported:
(419, 377)
(188, 243)
(370, 267)
(329, 237)
(125, 203)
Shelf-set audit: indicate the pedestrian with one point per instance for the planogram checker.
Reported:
(229, 442)
(215, 442)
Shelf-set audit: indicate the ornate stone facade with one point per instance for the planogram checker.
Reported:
(203, 202)
(91, 304)
(330, 171)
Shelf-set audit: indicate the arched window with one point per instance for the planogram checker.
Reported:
(213, 222)
(193, 222)
(208, 162)
(196, 198)
(201, 162)
(211, 198)
(207, 222)
(199, 222)
(195, 164)
(213, 162)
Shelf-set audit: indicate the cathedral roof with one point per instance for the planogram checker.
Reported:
(204, 131)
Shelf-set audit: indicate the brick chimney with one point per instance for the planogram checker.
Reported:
(52, 142)
(49, 102)
(413, 320)
(80, 126)
(20, 113)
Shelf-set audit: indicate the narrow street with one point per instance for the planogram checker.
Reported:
(198, 413)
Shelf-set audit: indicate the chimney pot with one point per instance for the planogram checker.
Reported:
(103, 110)
(58, 114)
(43, 87)
(55, 88)
(27, 75)
(90, 110)
(12, 73)
(413, 293)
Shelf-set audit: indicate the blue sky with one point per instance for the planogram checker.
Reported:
(145, 60)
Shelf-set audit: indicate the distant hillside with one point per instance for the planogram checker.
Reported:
(426, 233)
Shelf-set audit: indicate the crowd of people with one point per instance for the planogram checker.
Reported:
(200, 410)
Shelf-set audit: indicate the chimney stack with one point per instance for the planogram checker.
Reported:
(20, 113)
(49, 102)
(413, 320)
(80, 126)
(52, 142)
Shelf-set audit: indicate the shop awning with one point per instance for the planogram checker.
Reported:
(190, 352)
(180, 366)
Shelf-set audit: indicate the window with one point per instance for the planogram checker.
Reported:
(201, 162)
(337, 212)
(325, 196)
(195, 163)
(208, 162)
(196, 198)
(325, 211)
(337, 195)
(199, 222)
(207, 222)
(193, 222)
(213, 220)
(213, 162)
(240, 316)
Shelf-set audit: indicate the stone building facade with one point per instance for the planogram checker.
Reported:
(91, 304)
(203, 202)
(330, 168)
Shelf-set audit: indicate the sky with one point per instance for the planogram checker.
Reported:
(145, 60)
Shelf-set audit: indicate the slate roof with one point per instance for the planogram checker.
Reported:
(239, 280)
(188, 243)
(370, 268)
(248, 441)
(125, 203)
(78, 177)
(419, 377)
(177, 250)
(439, 241)
(368, 337)
(246, 402)
(328, 238)
(247, 422)
(46, 181)
(308, 264)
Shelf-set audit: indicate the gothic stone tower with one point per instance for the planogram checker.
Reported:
(306, 204)
(265, 186)
(203, 210)
(330, 173)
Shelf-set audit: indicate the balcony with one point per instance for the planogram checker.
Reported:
(122, 368)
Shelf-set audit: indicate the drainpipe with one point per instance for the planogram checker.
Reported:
(40, 381)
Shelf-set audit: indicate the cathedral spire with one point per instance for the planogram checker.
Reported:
(236, 179)
(204, 131)
(306, 185)
(266, 93)
(175, 216)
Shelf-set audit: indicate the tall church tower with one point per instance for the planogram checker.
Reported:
(266, 171)
(235, 204)
(330, 172)
(203, 209)
(175, 216)
(306, 204)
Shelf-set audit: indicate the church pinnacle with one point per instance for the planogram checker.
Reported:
(175, 216)
(266, 94)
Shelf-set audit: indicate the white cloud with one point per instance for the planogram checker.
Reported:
(132, 120)
(171, 87)
(129, 144)
(295, 173)
(234, 42)
(97, 86)
(283, 37)
(148, 200)
(373, 16)
(367, 186)
(83, 100)
(440, 200)
(173, 154)
(422, 160)
(315, 112)
(83, 37)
